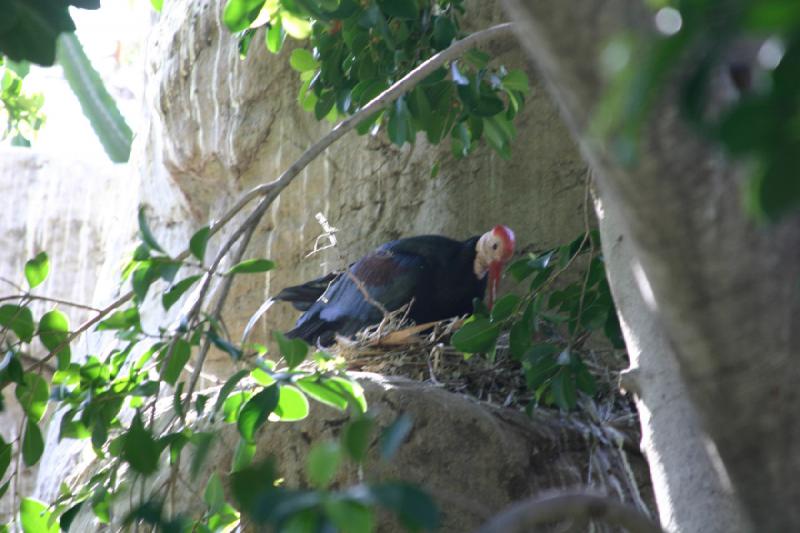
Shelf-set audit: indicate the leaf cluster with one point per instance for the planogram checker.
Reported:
(548, 324)
(21, 110)
(359, 49)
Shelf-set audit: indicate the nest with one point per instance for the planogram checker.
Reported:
(423, 353)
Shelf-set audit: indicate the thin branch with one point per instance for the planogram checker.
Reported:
(49, 299)
(538, 511)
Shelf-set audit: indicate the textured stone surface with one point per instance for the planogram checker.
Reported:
(473, 459)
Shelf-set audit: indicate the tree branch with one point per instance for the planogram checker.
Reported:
(538, 511)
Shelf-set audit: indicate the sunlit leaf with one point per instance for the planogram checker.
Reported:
(18, 319)
(252, 266)
(292, 405)
(35, 517)
(36, 269)
(54, 332)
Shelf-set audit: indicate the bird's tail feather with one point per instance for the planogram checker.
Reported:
(303, 296)
(314, 332)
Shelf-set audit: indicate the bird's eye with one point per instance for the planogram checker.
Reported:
(494, 246)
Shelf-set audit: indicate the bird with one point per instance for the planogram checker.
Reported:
(437, 275)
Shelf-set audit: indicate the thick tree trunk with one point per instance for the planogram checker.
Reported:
(723, 289)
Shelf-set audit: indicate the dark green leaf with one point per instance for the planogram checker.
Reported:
(227, 388)
(478, 335)
(350, 516)
(323, 463)
(65, 521)
(36, 269)
(177, 290)
(32, 444)
(19, 320)
(294, 351)
(5, 457)
(519, 338)
(504, 307)
(415, 509)
(563, 388)
(181, 352)
(146, 234)
(394, 436)
(54, 332)
(225, 345)
(407, 9)
(356, 438)
(252, 266)
(444, 31)
(140, 449)
(35, 517)
(256, 411)
(143, 276)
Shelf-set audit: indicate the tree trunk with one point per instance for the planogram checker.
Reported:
(722, 289)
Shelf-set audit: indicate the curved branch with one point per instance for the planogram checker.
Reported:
(538, 511)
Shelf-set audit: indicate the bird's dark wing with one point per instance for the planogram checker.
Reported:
(303, 296)
(357, 298)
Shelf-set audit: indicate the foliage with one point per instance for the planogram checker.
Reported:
(20, 110)
(759, 126)
(29, 28)
(359, 49)
(549, 324)
(109, 399)
(97, 104)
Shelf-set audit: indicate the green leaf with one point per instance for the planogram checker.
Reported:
(322, 463)
(33, 395)
(174, 293)
(181, 352)
(292, 405)
(35, 518)
(32, 444)
(101, 506)
(19, 320)
(243, 456)
(350, 516)
(400, 127)
(294, 351)
(504, 307)
(65, 521)
(96, 103)
(256, 411)
(475, 336)
(406, 9)
(394, 436)
(413, 507)
(517, 80)
(199, 241)
(226, 390)
(36, 269)
(125, 319)
(356, 438)
(302, 60)
(238, 14)
(157, 4)
(143, 276)
(564, 390)
(444, 31)
(321, 391)
(214, 495)
(146, 234)
(54, 332)
(5, 457)
(275, 37)
(140, 449)
(252, 266)
(519, 338)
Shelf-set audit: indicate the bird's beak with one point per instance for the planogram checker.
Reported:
(495, 269)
